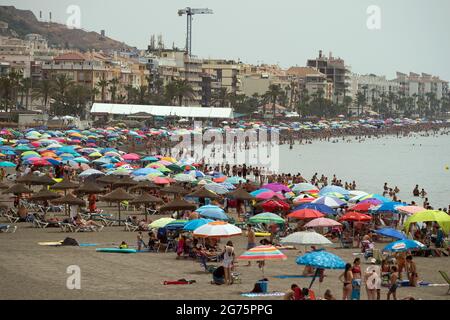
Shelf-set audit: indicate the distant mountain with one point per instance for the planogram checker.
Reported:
(23, 22)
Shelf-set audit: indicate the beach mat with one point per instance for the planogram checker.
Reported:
(179, 282)
(116, 250)
(405, 283)
(88, 244)
(59, 243)
(268, 294)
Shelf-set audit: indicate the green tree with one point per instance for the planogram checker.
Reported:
(103, 84)
(113, 83)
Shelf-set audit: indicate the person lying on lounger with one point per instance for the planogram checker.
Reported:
(80, 222)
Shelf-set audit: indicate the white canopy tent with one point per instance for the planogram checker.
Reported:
(162, 111)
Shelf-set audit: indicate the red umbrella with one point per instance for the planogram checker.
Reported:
(304, 214)
(363, 207)
(159, 180)
(274, 205)
(41, 163)
(355, 216)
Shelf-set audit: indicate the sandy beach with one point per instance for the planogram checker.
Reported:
(31, 271)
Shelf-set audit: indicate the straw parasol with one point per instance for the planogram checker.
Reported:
(240, 194)
(174, 189)
(146, 199)
(203, 193)
(124, 182)
(44, 180)
(29, 178)
(118, 195)
(69, 199)
(144, 185)
(65, 185)
(44, 194)
(17, 189)
(89, 188)
(109, 179)
(178, 204)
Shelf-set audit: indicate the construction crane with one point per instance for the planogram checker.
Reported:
(189, 12)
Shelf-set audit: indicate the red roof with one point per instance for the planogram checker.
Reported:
(71, 56)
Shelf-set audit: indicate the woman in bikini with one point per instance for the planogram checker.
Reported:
(228, 260)
(346, 278)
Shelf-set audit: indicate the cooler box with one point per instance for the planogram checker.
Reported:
(264, 286)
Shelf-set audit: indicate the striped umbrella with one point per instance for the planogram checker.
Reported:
(263, 253)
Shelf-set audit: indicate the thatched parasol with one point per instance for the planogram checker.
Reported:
(239, 194)
(17, 189)
(89, 188)
(108, 179)
(44, 194)
(29, 178)
(203, 193)
(44, 180)
(69, 199)
(174, 190)
(125, 182)
(178, 204)
(65, 185)
(118, 196)
(146, 199)
(144, 185)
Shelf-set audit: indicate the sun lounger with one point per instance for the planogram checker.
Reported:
(131, 227)
(152, 212)
(38, 223)
(12, 218)
(66, 227)
(7, 228)
(446, 278)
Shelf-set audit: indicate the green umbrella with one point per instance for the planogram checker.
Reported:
(266, 217)
(442, 218)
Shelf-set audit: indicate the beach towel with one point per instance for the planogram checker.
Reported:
(181, 281)
(405, 283)
(268, 294)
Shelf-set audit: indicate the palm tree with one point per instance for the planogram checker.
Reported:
(360, 102)
(114, 82)
(221, 97)
(142, 94)
(62, 84)
(94, 93)
(183, 90)
(103, 84)
(43, 91)
(272, 94)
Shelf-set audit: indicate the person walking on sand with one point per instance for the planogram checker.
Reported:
(228, 260)
(346, 278)
(411, 270)
(251, 240)
(393, 284)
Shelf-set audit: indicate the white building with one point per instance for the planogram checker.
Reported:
(421, 84)
(372, 86)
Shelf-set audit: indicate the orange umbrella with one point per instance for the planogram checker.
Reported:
(304, 214)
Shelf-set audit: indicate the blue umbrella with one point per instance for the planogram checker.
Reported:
(321, 260)
(329, 189)
(404, 245)
(194, 224)
(388, 207)
(144, 171)
(392, 233)
(175, 225)
(316, 206)
(212, 212)
(54, 162)
(151, 159)
(7, 164)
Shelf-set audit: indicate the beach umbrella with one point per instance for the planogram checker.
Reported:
(7, 164)
(387, 207)
(355, 216)
(90, 172)
(235, 180)
(177, 204)
(239, 194)
(176, 225)
(304, 214)
(263, 253)
(404, 245)
(391, 233)
(276, 187)
(44, 194)
(125, 182)
(160, 223)
(274, 205)
(89, 188)
(17, 189)
(411, 209)
(266, 195)
(107, 179)
(320, 260)
(331, 202)
(305, 238)
(174, 189)
(212, 212)
(216, 188)
(442, 218)
(203, 193)
(144, 185)
(159, 180)
(374, 196)
(146, 199)
(332, 188)
(65, 185)
(305, 187)
(194, 224)
(362, 207)
(29, 178)
(266, 217)
(322, 222)
(118, 195)
(303, 198)
(145, 171)
(69, 199)
(131, 157)
(217, 229)
(184, 177)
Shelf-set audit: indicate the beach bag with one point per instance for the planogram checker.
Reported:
(70, 242)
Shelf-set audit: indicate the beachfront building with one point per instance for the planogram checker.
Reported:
(373, 87)
(310, 81)
(415, 84)
(336, 72)
(17, 54)
(225, 72)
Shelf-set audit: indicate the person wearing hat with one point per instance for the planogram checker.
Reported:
(373, 282)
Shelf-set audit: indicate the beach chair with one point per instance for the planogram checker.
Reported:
(129, 226)
(346, 243)
(66, 227)
(152, 212)
(446, 278)
(7, 228)
(38, 223)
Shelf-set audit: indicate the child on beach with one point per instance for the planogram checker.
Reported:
(123, 245)
(393, 284)
(140, 241)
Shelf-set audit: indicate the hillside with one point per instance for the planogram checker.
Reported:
(23, 22)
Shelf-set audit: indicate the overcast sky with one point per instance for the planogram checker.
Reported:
(414, 34)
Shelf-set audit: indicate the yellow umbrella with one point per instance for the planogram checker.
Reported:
(442, 218)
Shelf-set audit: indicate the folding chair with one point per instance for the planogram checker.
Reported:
(446, 278)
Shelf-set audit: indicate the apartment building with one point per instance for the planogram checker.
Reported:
(372, 86)
(421, 84)
(310, 80)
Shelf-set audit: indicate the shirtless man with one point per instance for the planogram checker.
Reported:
(251, 240)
